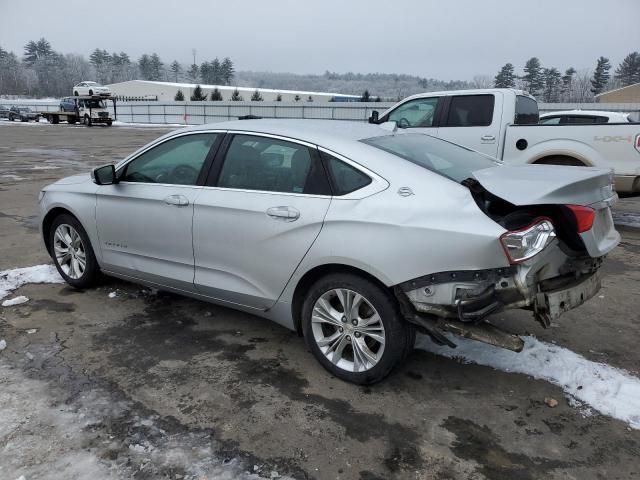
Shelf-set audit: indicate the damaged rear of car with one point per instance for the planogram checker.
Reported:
(556, 231)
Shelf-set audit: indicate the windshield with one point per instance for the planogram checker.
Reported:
(94, 104)
(92, 84)
(444, 158)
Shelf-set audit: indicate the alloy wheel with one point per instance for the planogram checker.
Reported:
(348, 330)
(69, 251)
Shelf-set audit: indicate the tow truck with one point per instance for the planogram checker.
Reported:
(87, 109)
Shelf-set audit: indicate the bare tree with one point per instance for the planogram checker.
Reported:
(581, 87)
(482, 81)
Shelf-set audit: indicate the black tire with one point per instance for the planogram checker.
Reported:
(87, 121)
(109, 123)
(91, 273)
(399, 334)
(75, 93)
(91, 92)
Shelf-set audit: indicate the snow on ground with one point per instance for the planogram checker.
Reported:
(12, 177)
(626, 219)
(11, 280)
(608, 390)
(19, 300)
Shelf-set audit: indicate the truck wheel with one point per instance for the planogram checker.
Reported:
(11, 119)
(87, 121)
(75, 93)
(91, 92)
(109, 123)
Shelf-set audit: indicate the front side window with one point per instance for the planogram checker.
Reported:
(268, 164)
(415, 113)
(344, 177)
(526, 111)
(444, 158)
(470, 111)
(177, 161)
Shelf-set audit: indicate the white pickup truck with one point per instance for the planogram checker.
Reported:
(503, 123)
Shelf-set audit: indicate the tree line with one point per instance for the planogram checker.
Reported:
(550, 85)
(45, 72)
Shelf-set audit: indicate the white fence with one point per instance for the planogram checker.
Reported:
(195, 113)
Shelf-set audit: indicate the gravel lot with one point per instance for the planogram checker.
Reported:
(143, 384)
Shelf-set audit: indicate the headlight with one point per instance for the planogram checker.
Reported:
(521, 245)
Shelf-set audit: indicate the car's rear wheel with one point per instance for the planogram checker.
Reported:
(354, 328)
(72, 252)
(91, 92)
(75, 93)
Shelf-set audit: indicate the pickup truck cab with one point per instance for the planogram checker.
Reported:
(503, 123)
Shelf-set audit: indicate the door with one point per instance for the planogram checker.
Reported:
(418, 115)
(253, 225)
(473, 121)
(145, 220)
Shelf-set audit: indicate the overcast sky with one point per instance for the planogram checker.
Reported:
(446, 39)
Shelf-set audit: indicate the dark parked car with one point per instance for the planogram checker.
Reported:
(68, 104)
(4, 111)
(24, 114)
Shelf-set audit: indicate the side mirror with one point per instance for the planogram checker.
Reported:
(374, 117)
(105, 175)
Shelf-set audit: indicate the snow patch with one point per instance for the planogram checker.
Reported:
(626, 219)
(603, 388)
(19, 300)
(3, 344)
(113, 294)
(11, 280)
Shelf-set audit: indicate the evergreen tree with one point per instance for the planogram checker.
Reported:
(198, 94)
(533, 76)
(217, 73)
(176, 70)
(365, 96)
(179, 96)
(146, 69)
(552, 81)
(297, 98)
(628, 72)
(600, 76)
(206, 73)
(310, 99)
(505, 77)
(156, 67)
(567, 83)
(256, 97)
(227, 71)
(216, 96)
(236, 97)
(192, 73)
(34, 51)
(279, 98)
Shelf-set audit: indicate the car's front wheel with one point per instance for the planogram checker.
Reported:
(354, 328)
(72, 252)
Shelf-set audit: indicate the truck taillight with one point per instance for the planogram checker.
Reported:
(523, 244)
(584, 217)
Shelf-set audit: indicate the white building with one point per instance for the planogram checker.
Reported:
(166, 91)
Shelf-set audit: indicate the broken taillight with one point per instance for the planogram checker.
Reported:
(584, 217)
(520, 245)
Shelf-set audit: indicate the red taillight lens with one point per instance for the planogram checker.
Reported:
(584, 217)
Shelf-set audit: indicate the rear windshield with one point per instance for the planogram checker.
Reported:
(444, 158)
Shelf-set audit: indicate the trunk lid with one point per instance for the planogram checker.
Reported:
(547, 184)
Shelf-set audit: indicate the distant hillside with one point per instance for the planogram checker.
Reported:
(388, 86)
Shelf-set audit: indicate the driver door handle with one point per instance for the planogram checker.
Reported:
(177, 200)
(286, 214)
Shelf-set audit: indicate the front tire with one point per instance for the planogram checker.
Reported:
(354, 328)
(87, 121)
(72, 252)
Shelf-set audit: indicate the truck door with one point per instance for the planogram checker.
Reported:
(473, 121)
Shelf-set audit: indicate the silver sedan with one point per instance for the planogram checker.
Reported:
(355, 235)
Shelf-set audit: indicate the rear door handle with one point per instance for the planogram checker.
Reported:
(488, 138)
(177, 200)
(286, 214)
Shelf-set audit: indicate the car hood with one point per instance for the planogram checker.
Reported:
(74, 179)
(547, 184)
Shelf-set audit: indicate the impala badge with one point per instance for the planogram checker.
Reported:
(405, 192)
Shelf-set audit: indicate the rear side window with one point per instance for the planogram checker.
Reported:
(583, 119)
(470, 111)
(344, 178)
(526, 111)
